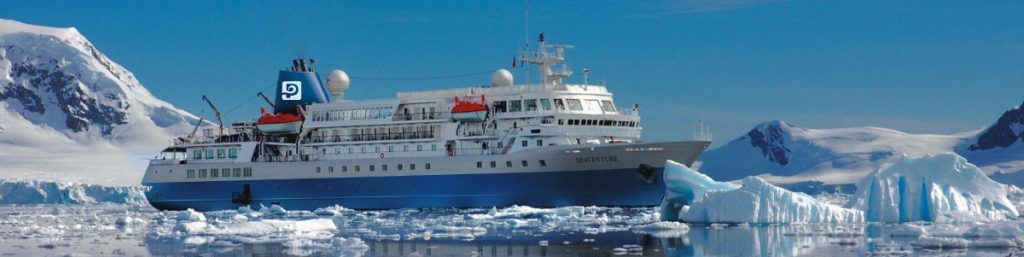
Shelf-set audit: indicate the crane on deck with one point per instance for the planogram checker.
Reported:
(215, 112)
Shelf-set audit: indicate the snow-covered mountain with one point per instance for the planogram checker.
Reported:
(999, 149)
(799, 158)
(65, 108)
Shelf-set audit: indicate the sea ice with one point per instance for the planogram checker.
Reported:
(46, 192)
(940, 187)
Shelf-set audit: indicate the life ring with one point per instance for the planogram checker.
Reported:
(382, 155)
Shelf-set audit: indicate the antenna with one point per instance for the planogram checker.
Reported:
(526, 37)
(702, 133)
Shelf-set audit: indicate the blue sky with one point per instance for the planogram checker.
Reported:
(915, 66)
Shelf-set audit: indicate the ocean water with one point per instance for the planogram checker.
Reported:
(135, 230)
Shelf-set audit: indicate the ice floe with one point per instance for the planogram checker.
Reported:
(942, 187)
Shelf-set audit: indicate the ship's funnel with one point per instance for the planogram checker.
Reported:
(296, 87)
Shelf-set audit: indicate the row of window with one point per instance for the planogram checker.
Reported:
(383, 167)
(508, 164)
(354, 114)
(616, 123)
(219, 173)
(232, 153)
(377, 149)
(559, 105)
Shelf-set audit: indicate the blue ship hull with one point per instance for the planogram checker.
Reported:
(618, 187)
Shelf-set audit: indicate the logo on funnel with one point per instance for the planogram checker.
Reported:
(291, 90)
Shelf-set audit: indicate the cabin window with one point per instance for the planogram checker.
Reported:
(607, 106)
(526, 143)
(384, 167)
(412, 166)
(237, 172)
(220, 153)
(344, 168)
(247, 172)
(197, 154)
(499, 106)
(561, 122)
(515, 105)
(530, 104)
(357, 168)
(574, 104)
(494, 164)
(190, 174)
(330, 169)
(376, 149)
(543, 163)
(419, 148)
(428, 166)
(559, 105)
(433, 147)
(479, 164)
(372, 167)
(202, 173)
(318, 169)
(508, 164)
(540, 142)
(525, 163)
(405, 148)
(214, 173)
(363, 149)
(225, 172)
(232, 153)
(545, 104)
(209, 154)
(391, 148)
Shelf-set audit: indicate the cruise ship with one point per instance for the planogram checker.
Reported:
(546, 144)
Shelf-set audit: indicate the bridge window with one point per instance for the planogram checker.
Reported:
(197, 154)
(574, 104)
(559, 105)
(499, 106)
(220, 153)
(531, 104)
(545, 104)
(209, 154)
(232, 153)
(515, 105)
(607, 106)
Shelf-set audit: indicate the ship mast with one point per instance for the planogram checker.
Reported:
(551, 66)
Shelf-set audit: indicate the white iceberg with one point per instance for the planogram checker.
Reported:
(931, 188)
(755, 201)
(46, 192)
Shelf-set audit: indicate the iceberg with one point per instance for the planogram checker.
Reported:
(46, 192)
(754, 201)
(685, 186)
(939, 187)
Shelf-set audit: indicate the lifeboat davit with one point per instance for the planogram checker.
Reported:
(465, 110)
(278, 123)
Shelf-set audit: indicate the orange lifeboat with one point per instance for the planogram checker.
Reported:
(466, 110)
(278, 123)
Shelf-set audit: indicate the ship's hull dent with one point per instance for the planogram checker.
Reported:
(618, 187)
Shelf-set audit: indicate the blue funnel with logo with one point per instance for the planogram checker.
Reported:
(298, 86)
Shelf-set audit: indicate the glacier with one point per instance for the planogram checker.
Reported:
(932, 188)
(753, 201)
(45, 192)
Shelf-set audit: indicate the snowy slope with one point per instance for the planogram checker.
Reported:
(932, 188)
(67, 112)
(785, 154)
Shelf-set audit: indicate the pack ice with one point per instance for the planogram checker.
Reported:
(754, 201)
(931, 188)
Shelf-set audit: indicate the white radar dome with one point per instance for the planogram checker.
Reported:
(501, 78)
(337, 84)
